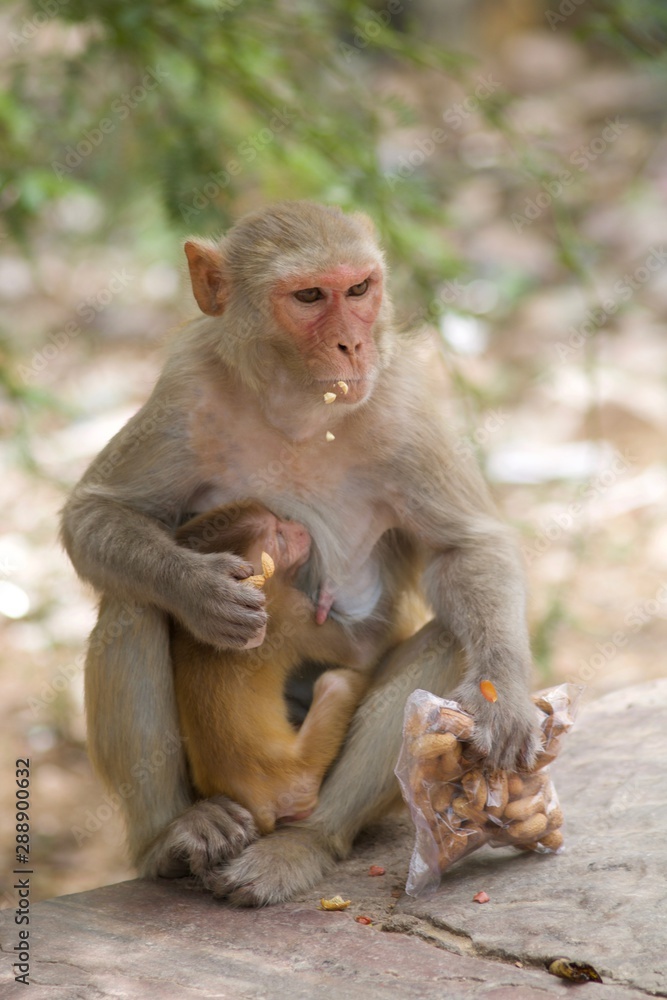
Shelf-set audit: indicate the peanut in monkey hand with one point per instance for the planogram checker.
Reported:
(268, 569)
(458, 802)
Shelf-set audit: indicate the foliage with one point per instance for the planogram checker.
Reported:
(637, 28)
(207, 106)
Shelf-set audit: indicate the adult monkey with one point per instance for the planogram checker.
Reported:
(294, 305)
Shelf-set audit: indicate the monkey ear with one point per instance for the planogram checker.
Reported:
(207, 274)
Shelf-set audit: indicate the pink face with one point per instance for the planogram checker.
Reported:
(331, 317)
(287, 542)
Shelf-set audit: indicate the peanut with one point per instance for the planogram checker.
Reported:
(534, 783)
(458, 843)
(465, 805)
(547, 756)
(555, 725)
(268, 565)
(515, 786)
(474, 786)
(497, 793)
(449, 765)
(553, 840)
(432, 745)
(441, 796)
(458, 723)
(424, 772)
(466, 810)
(555, 818)
(528, 829)
(523, 808)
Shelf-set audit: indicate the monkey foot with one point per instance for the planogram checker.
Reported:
(207, 834)
(273, 869)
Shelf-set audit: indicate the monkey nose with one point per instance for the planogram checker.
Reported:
(349, 348)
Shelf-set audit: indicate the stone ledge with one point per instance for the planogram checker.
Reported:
(603, 901)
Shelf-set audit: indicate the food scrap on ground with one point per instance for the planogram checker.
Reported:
(335, 903)
(575, 972)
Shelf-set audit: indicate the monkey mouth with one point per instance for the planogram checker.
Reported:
(358, 389)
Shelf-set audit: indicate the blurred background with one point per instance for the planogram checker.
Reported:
(514, 158)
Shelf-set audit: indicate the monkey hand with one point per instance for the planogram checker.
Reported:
(505, 731)
(216, 607)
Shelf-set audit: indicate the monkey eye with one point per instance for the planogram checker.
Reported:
(308, 295)
(359, 289)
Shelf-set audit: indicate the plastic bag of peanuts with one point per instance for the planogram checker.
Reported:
(457, 804)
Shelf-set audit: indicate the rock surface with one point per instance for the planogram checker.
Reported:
(602, 901)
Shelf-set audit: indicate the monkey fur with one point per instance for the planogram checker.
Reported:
(295, 306)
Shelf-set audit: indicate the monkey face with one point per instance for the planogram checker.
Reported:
(330, 318)
(287, 542)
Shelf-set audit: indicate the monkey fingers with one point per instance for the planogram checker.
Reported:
(209, 833)
(219, 609)
(505, 732)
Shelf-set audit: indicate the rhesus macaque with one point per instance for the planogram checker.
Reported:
(231, 702)
(294, 307)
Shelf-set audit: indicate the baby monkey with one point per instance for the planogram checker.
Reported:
(231, 703)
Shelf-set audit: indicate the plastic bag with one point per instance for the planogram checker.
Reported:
(457, 804)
